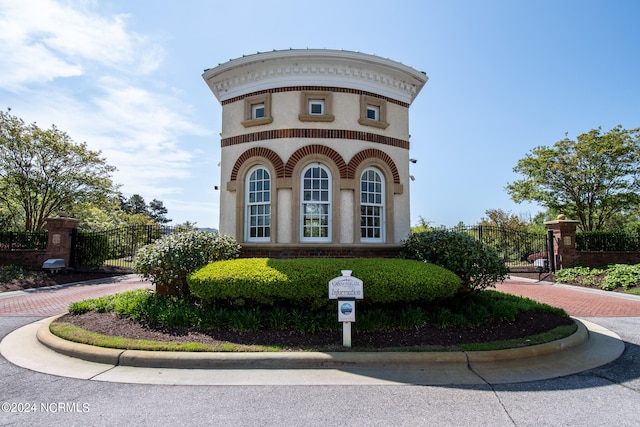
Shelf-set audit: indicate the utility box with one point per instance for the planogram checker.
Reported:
(54, 264)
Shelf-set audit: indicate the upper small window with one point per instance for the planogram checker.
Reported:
(373, 112)
(257, 110)
(316, 107)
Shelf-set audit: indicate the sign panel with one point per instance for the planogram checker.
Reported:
(346, 287)
(347, 311)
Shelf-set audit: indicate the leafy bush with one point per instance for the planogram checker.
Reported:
(16, 272)
(101, 305)
(612, 277)
(304, 282)
(577, 274)
(169, 260)
(621, 276)
(477, 264)
(144, 306)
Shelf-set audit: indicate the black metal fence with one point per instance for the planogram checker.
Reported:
(113, 249)
(23, 240)
(607, 241)
(521, 251)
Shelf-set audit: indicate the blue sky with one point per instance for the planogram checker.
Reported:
(505, 76)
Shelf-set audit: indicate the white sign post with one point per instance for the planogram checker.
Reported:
(346, 290)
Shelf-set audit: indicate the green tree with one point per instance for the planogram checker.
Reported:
(43, 171)
(504, 219)
(158, 212)
(591, 179)
(134, 205)
(136, 210)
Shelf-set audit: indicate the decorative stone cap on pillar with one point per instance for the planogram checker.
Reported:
(562, 220)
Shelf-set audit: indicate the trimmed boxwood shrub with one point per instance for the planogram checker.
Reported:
(304, 282)
(169, 260)
(477, 264)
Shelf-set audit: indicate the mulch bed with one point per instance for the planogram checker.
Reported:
(109, 324)
(52, 279)
(524, 325)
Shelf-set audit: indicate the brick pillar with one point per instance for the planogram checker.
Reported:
(564, 241)
(59, 244)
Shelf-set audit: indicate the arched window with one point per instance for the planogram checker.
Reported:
(372, 221)
(258, 205)
(315, 209)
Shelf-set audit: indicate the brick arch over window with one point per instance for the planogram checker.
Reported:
(268, 154)
(315, 149)
(368, 154)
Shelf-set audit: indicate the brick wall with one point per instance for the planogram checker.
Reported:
(601, 259)
(28, 259)
(564, 234)
(306, 251)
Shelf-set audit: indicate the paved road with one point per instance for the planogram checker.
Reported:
(609, 395)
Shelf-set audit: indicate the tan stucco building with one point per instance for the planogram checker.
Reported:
(315, 150)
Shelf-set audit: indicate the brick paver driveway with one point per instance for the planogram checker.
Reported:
(576, 301)
(579, 302)
(52, 301)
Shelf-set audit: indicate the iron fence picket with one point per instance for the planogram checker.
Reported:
(114, 249)
(519, 249)
(23, 240)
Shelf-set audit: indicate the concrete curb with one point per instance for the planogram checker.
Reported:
(292, 360)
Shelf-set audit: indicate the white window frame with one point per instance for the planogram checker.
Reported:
(376, 112)
(307, 99)
(254, 111)
(253, 103)
(370, 103)
(258, 220)
(372, 199)
(319, 102)
(312, 192)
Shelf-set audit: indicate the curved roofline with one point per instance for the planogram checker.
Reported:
(226, 70)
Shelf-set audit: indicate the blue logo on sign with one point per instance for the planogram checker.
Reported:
(346, 308)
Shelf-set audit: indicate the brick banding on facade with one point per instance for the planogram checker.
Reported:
(308, 150)
(316, 134)
(286, 170)
(266, 153)
(372, 153)
(315, 89)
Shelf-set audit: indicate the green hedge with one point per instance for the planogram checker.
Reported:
(304, 282)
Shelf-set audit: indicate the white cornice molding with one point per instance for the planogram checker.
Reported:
(315, 67)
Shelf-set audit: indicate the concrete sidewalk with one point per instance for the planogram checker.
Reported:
(590, 347)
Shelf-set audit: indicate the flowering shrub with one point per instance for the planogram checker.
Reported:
(169, 260)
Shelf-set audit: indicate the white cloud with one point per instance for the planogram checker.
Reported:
(41, 40)
(65, 63)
